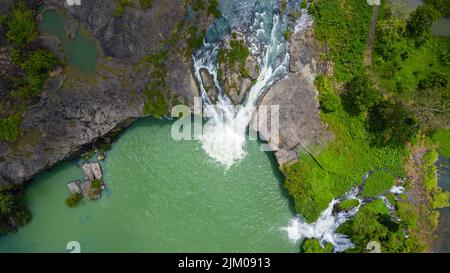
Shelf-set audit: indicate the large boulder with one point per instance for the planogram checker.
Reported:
(299, 118)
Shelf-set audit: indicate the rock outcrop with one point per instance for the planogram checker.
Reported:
(300, 125)
(75, 110)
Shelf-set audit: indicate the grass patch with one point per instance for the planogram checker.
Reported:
(442, 139)
(349, 204)
(378, 183)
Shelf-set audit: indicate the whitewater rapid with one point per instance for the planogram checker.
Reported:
(224, 134)
(324, 229)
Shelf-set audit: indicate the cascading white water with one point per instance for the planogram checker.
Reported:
(224, 134)
(324, 229)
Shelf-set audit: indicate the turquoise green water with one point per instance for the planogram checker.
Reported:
(162, 196)
(81, 51)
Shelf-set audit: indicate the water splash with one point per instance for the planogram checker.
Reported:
(224, 135)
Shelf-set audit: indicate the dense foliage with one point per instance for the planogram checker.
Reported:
(375, 113)
(13, 212)
(36, 63)
(343, 25)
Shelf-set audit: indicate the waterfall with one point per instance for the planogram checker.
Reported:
(324, 229)
(224, 134)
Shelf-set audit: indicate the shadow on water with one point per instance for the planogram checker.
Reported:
(280, 177)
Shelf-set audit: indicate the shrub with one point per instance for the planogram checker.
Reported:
(96, 184)
(120, 9)
(360, 95)
(146, 4)
(313, 246)
(22, 28)
(420, 21)
(73, 200)
(214, 9)
(10, 128)
(442, 139)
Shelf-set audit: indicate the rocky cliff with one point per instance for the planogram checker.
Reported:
(75, 110)
(299, 114)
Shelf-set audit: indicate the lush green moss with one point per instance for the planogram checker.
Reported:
(349, 204)
(378, 183)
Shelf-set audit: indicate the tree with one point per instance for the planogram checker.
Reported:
(392, 123)
(360, 95)
(421, 19)
(313, 246)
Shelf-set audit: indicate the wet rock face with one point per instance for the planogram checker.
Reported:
(208, 83)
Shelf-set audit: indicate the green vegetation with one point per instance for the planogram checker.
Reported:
(442, 138)
(123, 4)
(36, 63)
(96, 184)
(213, 8)
(234, 58)
(156, 103)
(375, 113)
(74, 200)
(313, 246)
(349, 204)
(287, 34)
(343, 25)
(378, 183)
(145, 4)
(21, 25)
(345, 160)
(9, 128)
(438, 197)
(13, 211)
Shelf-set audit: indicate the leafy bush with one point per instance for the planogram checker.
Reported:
(73, 200)
(96, 184)
(10, 128)
(120, 8)
(343, 25)
(213, 8)
(391, 123)
(313, 246)
(442, 139)
(22, 28)
(421, 19)
(360, 95)
(13, 211)
(146, 4)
